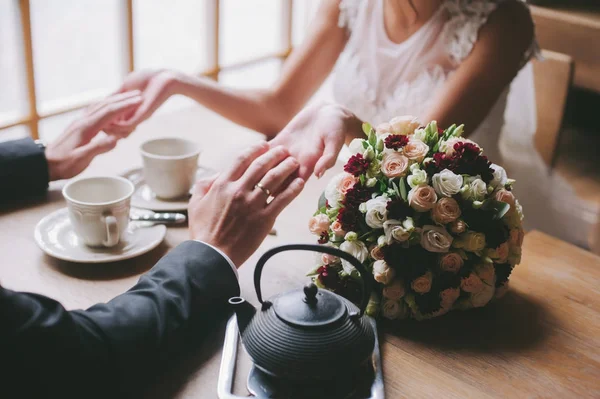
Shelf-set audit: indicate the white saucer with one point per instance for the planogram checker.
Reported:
(144, 198)
(55, 236)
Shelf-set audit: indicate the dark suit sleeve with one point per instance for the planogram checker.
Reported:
(23, 170)
(112, 349)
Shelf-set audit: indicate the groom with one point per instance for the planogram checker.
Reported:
(113, 349)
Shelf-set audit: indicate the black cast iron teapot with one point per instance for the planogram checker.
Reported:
(310, 333)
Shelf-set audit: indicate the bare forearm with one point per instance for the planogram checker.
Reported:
(255, 109)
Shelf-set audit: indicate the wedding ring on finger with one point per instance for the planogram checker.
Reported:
(267, 192)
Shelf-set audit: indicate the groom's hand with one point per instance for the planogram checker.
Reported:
(73, 151)
(231, 214)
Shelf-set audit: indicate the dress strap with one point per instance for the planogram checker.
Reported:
(466, 19)
(348, 14)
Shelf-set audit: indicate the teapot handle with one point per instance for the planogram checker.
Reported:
(366, 277)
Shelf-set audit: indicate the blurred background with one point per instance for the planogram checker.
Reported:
(58, 56)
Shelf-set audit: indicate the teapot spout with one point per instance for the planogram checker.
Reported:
(244, 312)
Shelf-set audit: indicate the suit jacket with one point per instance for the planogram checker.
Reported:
(113, 349)
(23, 170)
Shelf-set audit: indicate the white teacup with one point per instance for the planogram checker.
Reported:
(170, 166)
(99, 208)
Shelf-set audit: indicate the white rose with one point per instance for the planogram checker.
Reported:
(356, 146)
(394, 291)
(447, 183)
(417, 178)
(356, 248)
(332, 192)
(475, 190)
(390, 309)
(500, 177)
(395, 231)
(420, 134)
(376, 212)
(382, 272)
(435, 239)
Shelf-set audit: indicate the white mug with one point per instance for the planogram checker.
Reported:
(99, 208)
(170, 166)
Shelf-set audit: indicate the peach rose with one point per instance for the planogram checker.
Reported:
(404, 125)
(394, 165)
(383, 128)
(506, 196)
(502, 252)
(449, 296)
(394, 291)
(487, 273)
(422, 198)
(472, 283)
(516, 237)
(445, 211)
(346, 183)
(415, 150)
(451, 262)
(377, 253)
(336, 227)
(458, 227)
(382, 272)
(422, 284)
(319, 224)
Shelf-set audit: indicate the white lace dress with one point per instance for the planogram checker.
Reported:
(378, 79)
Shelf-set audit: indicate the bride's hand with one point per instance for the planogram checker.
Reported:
(316, 135)
(156, 87)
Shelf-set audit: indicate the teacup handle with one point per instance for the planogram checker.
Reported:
(112, 231)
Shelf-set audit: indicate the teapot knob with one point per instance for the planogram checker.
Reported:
(310, 291)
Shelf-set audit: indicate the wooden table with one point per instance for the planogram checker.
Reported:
(541, 340)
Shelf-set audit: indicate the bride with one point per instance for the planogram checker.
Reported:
(452, 61)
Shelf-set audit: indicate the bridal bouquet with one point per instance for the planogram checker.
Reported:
(431, 217)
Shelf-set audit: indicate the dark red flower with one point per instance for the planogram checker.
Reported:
(328, 277)
(398, 209)
(357, 195)
(356, 165)
(395, 141)
(440, 132)
(323, 238)
(348, 217)
(466, 151)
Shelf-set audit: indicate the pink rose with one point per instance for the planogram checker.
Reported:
(415, 150)
(336, 227)
(506, 196)
(319, 224)
(394, 165)
(422, 284)
(451, 262)
(502, 251)
(329, 259)
(422, 198)
(449, 296)
(346, 183)
(377, 253)
(404, 125)
(394, 291)
(383, 128)
(445, 211)
(472, 283)
(516, 237)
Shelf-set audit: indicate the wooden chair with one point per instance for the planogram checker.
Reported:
(553, 78)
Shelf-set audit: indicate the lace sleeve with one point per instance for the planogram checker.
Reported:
(348, 14)
(462, 29)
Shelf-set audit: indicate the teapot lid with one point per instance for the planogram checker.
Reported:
(310, 307)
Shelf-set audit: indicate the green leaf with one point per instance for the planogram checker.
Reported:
(403, 192)
(362, 179)
(382, 186)
(373, 138)
(366, 127)
(396, 189)
(497, 208)
(365, 144)
(322, 201)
